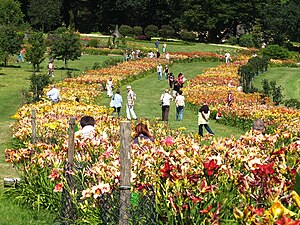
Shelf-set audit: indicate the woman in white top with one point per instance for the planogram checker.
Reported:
(165, 99)
(203, 117)
(109, 87)
(180, 104)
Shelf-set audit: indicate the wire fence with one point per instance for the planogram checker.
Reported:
(140, 210)
(121, 206)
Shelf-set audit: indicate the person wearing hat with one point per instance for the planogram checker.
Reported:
(165, 99)
(258, 126)
(130, 103)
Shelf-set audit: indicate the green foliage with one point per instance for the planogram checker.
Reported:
(275, 52)
(292, 103)
(64, 45)
(137, 30)
(10, 42)
(266, 89)
(166, 31)
(276, 92)
(44, 15)
(187, 36)
(254, 67)
(35, 52)
(233, 40)
(37, 84)
(102, 51)
(247, 40)
(126, 30)
(36, 190)
(92, 43)
(151, 31)
(10, 13)
(271, 89)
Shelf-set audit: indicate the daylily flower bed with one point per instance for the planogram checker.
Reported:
(249, 180)
(212, 87)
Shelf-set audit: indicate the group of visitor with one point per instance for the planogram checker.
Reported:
(132, 55)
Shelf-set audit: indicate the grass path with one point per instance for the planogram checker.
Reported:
(148, 90)
(287, 77)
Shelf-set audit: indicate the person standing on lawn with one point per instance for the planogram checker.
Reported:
(117, 102)
(171, 79)
(180, 104)
(166, 70)
(203, 117)
(165, 99)
(131, 97)
(159, 71)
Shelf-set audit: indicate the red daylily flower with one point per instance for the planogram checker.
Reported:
(287, 221)
(195, 199)
(210, 166)
(166, 169)
(207, 210)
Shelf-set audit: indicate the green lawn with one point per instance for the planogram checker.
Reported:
(148, 90)
(287, 77)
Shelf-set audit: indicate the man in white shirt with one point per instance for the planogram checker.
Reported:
(117, 102)
(53, 94)
(227, 57)
(88, 130)
(130, 103)
(165, 99)
(159, 71)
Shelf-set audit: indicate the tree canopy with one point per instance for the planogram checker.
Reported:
(212, 19)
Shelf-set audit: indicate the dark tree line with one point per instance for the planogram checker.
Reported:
(275, 20)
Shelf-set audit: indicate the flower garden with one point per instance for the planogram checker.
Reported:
(249, 180)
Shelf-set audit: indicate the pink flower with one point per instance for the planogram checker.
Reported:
(169, 141)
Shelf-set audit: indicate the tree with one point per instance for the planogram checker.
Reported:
(37, 84)
(10, 42)
(280, 21)
(35, 52)
(10, 13)
(44, 14)
(64, 45)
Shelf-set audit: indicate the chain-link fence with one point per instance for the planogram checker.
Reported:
(140, 210)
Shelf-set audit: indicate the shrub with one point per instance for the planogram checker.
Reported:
(137, 30)
(292, 103)
(142, 37)
(126, 30)
(37, 84)
(187, 36)
(93, 43)
(247, 40)
(166, 31)
(275, 52)
(233, 40)
(151, 31)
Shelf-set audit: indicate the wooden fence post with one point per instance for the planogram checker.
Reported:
(67, 211)
(71, 140)
(33, 126)
(125, 173)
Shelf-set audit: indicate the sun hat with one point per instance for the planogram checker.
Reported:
(258, 124)
(128, 87)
